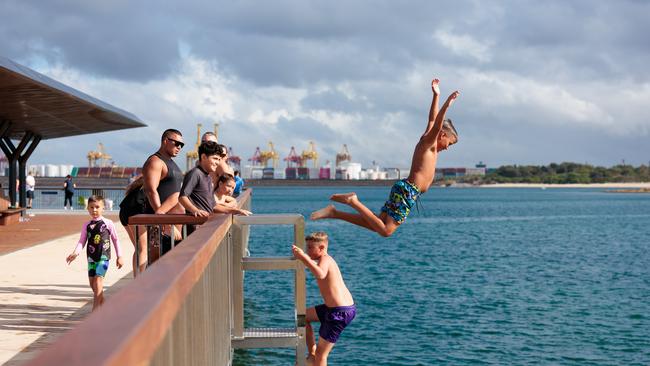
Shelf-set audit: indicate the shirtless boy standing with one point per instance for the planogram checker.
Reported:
(337, 311)
(439, 135)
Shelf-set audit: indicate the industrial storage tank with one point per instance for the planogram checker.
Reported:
(349, 170)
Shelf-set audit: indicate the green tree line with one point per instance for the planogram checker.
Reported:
(564, 173)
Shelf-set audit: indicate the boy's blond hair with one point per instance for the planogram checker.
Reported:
(317, 236)
(450, 130)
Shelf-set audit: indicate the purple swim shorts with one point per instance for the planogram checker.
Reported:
(334, 320)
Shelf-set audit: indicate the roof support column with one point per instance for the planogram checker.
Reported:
(12, 154)
(22, 160)
(22, 164)
(5, 126)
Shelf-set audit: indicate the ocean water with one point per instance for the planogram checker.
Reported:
(476, 277)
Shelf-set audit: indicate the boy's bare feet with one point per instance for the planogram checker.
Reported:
(323, 213)
(345, 198)
(435, 87)
(452, 98)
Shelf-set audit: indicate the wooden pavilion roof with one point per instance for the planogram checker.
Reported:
(31, 101)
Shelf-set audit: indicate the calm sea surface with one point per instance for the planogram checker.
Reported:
(476, 277)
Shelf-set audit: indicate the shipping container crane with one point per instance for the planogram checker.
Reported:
(343, 155)
(193, 155)
(98, 158)
(310, 154)
(261, 158)
(293, 159)
(233, 159)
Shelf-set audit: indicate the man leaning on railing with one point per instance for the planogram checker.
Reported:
(197, 190)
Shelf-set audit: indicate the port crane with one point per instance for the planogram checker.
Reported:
(193, 155)
(98, 158)
(261, 158)
(310, 154)
(233, 159)
(343, 155)
(293, 159)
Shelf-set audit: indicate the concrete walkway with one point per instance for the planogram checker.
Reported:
(41, 296)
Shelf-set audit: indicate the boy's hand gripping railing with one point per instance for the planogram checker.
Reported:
(154, 224)
(268, 337)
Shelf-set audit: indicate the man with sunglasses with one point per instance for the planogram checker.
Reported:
(162, 177)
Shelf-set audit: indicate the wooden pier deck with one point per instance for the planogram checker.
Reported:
(40, 295)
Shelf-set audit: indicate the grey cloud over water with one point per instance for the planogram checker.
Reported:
(540, 81)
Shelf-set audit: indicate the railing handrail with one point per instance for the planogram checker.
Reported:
(166, 219)
(136, 319)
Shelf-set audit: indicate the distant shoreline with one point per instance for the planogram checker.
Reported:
(327, 183)
(568, 185)
(87, 183)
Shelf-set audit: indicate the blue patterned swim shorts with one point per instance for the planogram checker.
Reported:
(401, 200)
(98, 268)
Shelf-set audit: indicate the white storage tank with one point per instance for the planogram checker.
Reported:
(351, 170)
(246, 172)
(392, 174)
(37, 170)
(64, 169)
(52, 170)
(363, 174)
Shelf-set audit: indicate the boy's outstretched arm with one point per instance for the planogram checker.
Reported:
(432, 136)
(433, 111)
(319, 270)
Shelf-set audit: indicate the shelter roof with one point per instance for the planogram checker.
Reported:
(34, 102)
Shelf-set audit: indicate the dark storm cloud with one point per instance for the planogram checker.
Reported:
(122, 39)
(295, 43)
(509, 58)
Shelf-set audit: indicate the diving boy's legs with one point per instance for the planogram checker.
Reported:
(330, 212)
(384, 225)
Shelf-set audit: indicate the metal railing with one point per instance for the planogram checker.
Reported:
(51, 198)
(268, 337)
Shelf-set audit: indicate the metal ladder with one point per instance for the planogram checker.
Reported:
(268, 337)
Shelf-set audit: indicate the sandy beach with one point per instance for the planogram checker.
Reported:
(577, 185)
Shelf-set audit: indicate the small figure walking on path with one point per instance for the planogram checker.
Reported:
(68, 188)
(97, 235)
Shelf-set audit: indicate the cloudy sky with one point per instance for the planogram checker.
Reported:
(541, 81)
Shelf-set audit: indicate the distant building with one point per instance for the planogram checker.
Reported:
(348, 170)
(445, 173)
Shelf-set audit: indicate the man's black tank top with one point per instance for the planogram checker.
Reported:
(173, 180)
